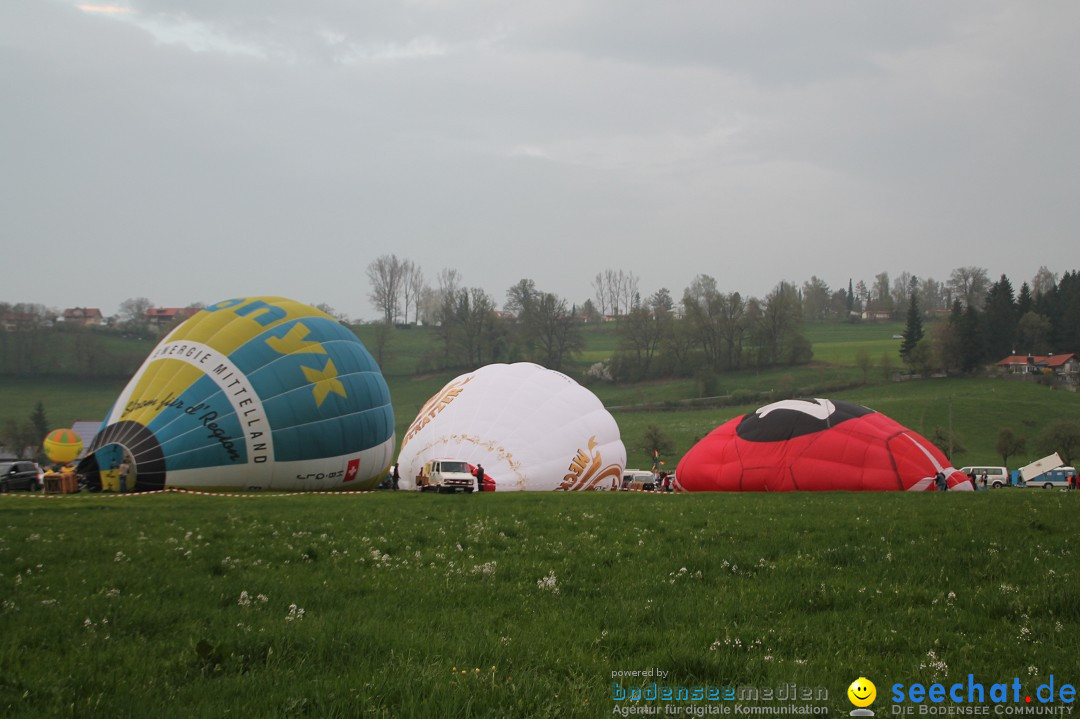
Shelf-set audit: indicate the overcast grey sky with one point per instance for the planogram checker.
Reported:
(195, 150)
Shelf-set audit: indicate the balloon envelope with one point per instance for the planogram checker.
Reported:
(530, 427)
(252, 393)
(62, 445)
(814, 445)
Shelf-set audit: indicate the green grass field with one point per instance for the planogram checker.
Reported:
(522, 605)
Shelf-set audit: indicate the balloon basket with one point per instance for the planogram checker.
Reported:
(61, 484)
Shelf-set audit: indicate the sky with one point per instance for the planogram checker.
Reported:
(196, 150)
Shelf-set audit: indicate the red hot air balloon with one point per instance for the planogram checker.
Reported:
(815, 445)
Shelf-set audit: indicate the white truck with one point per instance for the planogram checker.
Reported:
(1047, 473)
(445, 476)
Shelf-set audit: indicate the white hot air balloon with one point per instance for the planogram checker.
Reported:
(531, 428)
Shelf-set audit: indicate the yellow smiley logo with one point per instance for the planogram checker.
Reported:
(862, 692)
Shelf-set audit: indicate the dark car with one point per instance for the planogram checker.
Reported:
(20, 475)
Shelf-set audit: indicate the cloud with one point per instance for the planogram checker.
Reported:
(751, 141)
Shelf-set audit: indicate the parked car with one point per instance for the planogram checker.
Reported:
(20, 475)
(996, 477)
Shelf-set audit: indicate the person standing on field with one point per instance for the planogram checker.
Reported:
(479, 478)
(122, 470)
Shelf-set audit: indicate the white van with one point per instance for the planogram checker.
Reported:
(996, 477)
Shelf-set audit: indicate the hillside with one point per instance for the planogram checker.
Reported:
(980, 407)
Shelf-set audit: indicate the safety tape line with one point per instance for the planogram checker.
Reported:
(246, 495)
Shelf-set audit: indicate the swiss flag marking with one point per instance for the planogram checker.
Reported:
(351, 472)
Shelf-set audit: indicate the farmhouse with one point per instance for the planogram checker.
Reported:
(162, 317)
(85, 316)
(1063, 365)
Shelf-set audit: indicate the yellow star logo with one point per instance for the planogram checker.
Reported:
(325, 381)
(293, 342)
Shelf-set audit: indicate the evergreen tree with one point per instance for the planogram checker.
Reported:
(39, 422)
(971, 340)
(1000, 319)
(913, 330)
(1024, 301)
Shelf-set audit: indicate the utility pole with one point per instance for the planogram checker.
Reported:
(950, 429)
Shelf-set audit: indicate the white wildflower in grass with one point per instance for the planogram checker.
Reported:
(262, 599)
(549, 583)
(1033, 671)
(245, 600)
(120, 557)
(295, 614)
(937, 666)
(487, 568)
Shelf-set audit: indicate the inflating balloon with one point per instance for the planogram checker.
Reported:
(530, 427)
(62, 445)
(814, 445)
(253, 393)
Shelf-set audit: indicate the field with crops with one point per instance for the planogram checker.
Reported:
(524, 605)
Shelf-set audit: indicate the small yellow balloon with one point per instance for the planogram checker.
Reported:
(62, 446)
(862, 692)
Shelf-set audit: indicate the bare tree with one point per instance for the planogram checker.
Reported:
(385, 274)
(418, 286)
(557, 334)
(520, 296)
(1043, 282)
(599, 285)
(969, 285)
(133, 310)
(407, 296)
(628, 290)
(449, 280)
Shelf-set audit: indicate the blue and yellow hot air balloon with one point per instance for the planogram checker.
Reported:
(255, 393)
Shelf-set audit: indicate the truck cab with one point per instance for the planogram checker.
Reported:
(445, 476)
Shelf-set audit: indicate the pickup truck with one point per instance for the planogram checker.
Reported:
(445, 476)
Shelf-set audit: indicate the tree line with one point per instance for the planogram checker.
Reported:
(996, 323)
(712, 331)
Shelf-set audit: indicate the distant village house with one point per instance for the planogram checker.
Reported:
(1063, 365)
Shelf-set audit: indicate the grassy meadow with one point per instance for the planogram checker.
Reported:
(410, 605)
